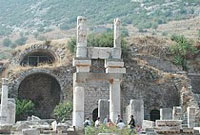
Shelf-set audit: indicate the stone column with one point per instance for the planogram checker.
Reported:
(81, 50)
(78, 107)
(114, 99)
(117, 33)
(191, 116)
(103, 109)
(117, 40)
(4, 102)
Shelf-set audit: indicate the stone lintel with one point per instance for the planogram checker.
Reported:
(114, 64)
(81, 62)
(84, 77)
(100, 52)
(116, 70)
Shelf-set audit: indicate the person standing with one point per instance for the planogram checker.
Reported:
(118, 119)
(132, 125)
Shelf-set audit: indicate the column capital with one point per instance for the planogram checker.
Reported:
(4, 81)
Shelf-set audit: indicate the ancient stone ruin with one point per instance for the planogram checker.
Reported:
(100, 83)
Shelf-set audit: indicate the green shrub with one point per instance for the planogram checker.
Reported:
(182, 50)
(104, 129)
(99, 40)
(21, 41)
(63, 111)
(24, 108)
(7, 42)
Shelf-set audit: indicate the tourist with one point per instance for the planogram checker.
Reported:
(132, 122)
(87, 122)
(138, 129)
(121, 125)
(110, 123)
(132, 125)
(97, 122)
(118, 119)
(106, 120)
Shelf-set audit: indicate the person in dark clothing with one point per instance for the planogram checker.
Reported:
(132, 125)
(132, 122)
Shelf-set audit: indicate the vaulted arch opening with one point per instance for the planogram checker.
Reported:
(154, 115)
(44, 90)
(38, 57)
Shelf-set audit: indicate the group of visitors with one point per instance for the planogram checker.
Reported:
(118, 123)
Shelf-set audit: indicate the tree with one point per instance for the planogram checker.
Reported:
(21, 41)
(182, 50)
(7, 42)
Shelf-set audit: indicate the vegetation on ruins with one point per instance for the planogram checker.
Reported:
(63, 111)
(91, 130)
(24, 108)
(99, 40)
(182, 50)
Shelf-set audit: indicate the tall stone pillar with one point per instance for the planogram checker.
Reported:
(103, 109)
(78, 107)
(4, 102)
(81, 50)
(191, 111)
(117, 33)
(114, 99)
(177, 113)
(117, 40)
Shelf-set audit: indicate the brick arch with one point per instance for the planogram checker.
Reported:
(18, 78)
(43, 89)
(40, 47)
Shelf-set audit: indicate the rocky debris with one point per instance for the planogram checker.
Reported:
(5, 129)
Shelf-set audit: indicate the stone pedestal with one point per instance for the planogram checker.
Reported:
(11, 111)
(177, 113)
(166, 114)
(103, 109)
(136, 108)
(191, 117)
(78, 107)
(114, 99)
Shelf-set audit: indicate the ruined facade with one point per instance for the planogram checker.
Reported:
(43, 72)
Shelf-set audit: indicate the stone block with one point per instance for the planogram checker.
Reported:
(82, 69)
(103, 109)
(93, 52)
(30, 131)
(136, 108)
(116, 70)
(81, 51)
(147, 124)
(114, 64)
(79, 62)
(177, 113)
(105, 53)
(116, 53)
(168, 123)
(166, 114)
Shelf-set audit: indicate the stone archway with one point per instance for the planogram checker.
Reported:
(154, 115)
(44, 90)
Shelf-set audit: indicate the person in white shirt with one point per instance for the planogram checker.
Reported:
(87, 122)
(97, 122)
(121, 124)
